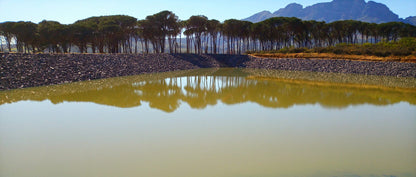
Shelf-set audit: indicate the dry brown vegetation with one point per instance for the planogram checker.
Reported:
(410, 58)
(333, 84)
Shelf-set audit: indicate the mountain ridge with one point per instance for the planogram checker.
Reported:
(372, 12)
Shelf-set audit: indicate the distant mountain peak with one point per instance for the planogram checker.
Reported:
(294, 5)
(291, 10)
(265, 12)
(348, 1)
(411, 20)
(335, 10)
(260, 16)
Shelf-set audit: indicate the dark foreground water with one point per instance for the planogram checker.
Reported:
(212, 122)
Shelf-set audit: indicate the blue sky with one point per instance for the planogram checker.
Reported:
(68, 11)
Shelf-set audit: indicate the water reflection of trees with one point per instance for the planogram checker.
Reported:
(199, 91)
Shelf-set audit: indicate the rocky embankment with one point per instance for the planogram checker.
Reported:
(396, 69)
(30, 70)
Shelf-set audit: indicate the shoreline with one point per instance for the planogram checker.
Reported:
(18, 70)
(325, 56)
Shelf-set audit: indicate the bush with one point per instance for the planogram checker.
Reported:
(401, 52)
(367, 45)
(403, 47)
(338, 50)
(382, 53)
(408, 42)
(367, 51)
(341, 45)
(284, 50)
(298, 50)
(357, 52)
(321, 49)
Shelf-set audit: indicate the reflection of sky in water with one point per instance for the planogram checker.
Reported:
(233, 136)
(206, 83)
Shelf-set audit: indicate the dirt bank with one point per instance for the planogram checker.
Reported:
(30, 70)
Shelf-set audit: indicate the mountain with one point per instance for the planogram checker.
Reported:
(291, 10)
(411, 20)
(258, 17)
(333, 11)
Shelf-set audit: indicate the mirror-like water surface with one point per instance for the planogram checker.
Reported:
(212, 122)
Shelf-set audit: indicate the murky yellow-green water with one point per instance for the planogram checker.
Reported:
(212, 122)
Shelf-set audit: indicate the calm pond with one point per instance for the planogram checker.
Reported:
(212, 122)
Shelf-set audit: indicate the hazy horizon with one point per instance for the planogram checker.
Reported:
(67, 12)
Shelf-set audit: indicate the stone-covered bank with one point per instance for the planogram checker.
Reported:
(30, 70)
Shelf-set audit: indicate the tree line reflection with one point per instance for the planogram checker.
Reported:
(198, 91)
